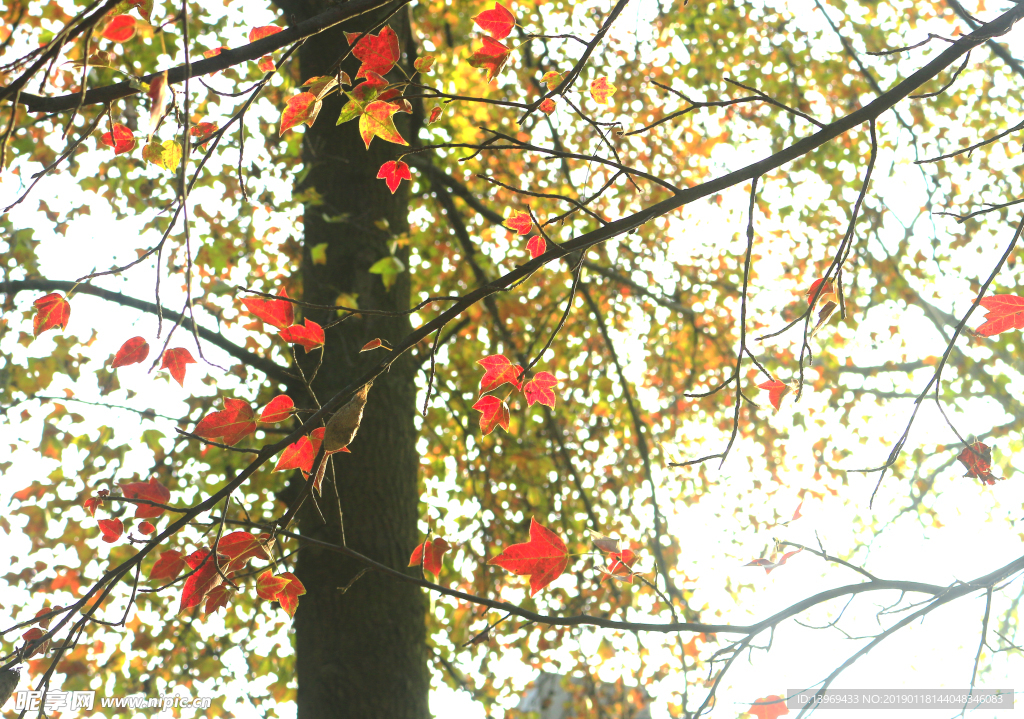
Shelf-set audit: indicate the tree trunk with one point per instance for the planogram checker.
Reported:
(361, 651)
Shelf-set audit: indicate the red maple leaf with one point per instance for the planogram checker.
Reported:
(377, 121)
(977, 458)
(174, 361)
(769, 707)
(277, 410)
(201, 582)
(520, 222)
(310, 335)
(378, 53)
(497, 21)
(288, 597)
(269, 586)
(277, 313)
(547, 106)
(1003, 313)
(133, 351)
(539, 389)
(233, 423)
(52, 310)
(543, 558)
(146, 528)
(298, 455)
(266, 64)
(374, 344)
(258, 33)
(121, 28)
(91, 505)
(494, 412)
(429, 554)
(393, 173)
(537, 246)
(490, 57)
(120, 138)
(239, 547)
(499, 371)
(110, 529)
(216, 598)
(301, 108)
(777, 389)
(168, 566)
(620, 564)
(202, 131)
(152, 491)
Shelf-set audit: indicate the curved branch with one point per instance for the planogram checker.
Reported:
(228, 58)
(266, 366)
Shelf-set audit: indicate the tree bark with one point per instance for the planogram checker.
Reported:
(361, 651)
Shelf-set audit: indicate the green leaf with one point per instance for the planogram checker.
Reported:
(388, 268)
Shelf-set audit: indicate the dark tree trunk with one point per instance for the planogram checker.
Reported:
(361, 652)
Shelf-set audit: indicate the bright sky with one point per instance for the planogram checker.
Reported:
(978, 530)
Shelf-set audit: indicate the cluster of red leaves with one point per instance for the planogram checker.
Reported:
(977, 459)
(492, 55)
(206, 583)
(543, 558)
(280, 313)
(237, 420)
(499, 370)
(151, 493)
(136, 350)
(36, 633)
(429, 554)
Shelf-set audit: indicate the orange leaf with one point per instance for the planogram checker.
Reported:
(258, 33)
(268, 586)
(498, 21)
(377, 121)
(424, 63)
(133, 351)
(51, 311)
(214, 52)
(378, 53)
(235, 422)
(309, 336)
(429, 554)
(601, 90)
(174, 361)
(278, 313)
(499, 371)
(289, 596)
(298, 455)
(91, 505)
(202, 131)
(277, 410)
(977, 458)
(543, 558)
(152, 491)
(769, 707)
(266, 64)
(490, 57)
(120, 138)
(216, 598)
(539, 389)
(121, 28)
(520, 222)
(168, 566)
(494, 412)
(777, 389)
(552, 79)
(393, 173)
(537, 246)
(301, 108)
(1004, 312)
(110, 529)
(547, 106)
